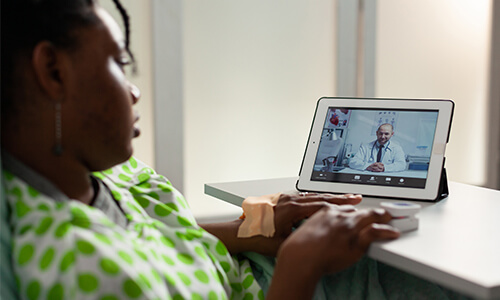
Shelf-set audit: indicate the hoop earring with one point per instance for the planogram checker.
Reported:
(58, 149)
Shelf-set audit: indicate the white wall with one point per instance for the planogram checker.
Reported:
(440, 49)
(253, 72)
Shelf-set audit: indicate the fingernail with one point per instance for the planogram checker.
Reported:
(380, 226)
(385, 226)
(379, 211)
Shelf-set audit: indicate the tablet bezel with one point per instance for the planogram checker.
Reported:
(429, 193)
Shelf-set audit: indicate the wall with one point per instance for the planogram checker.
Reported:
(253, 72)
(255, 69)
(440, 49)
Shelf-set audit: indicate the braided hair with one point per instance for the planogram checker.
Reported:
(25, 23)
(126, 21)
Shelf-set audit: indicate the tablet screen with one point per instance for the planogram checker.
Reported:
(370, 146)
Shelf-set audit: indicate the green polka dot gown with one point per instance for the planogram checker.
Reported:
(68, 250)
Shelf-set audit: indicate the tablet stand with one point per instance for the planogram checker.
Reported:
(443, 186)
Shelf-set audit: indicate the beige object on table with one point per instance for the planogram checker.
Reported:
(258, 214)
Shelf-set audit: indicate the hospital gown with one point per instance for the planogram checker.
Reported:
(69, 250)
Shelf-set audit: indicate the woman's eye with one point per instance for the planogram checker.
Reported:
(123, 62)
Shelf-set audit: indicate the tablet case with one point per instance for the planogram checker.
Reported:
(443, 186)
(443, 191)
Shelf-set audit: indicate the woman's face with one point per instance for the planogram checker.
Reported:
(97, 107)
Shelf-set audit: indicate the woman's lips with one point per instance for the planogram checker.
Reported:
(137, 129)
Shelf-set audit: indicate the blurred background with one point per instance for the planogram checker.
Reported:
(229, 88)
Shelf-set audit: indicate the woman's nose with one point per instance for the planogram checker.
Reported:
(135, 92)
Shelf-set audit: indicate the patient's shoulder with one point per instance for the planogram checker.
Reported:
(132, 172)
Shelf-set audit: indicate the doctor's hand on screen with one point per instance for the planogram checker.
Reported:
(376, 167)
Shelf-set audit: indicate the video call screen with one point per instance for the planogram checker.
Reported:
(352, 139)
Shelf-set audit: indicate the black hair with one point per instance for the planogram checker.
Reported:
(25, 23)
(126, 22)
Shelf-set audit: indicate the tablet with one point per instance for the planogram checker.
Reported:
(392, 148)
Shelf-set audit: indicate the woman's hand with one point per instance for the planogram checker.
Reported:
(330, 241)
(291, 210)
(288, 213)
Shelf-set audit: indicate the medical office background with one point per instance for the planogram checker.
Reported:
(229, 87)
(344, 131)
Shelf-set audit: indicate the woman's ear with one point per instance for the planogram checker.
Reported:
(48, 64)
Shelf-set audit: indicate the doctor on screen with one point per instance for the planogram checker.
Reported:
(380, 155)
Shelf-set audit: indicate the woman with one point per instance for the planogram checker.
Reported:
(89, 221)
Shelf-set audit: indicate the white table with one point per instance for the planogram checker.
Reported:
(457, 244)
